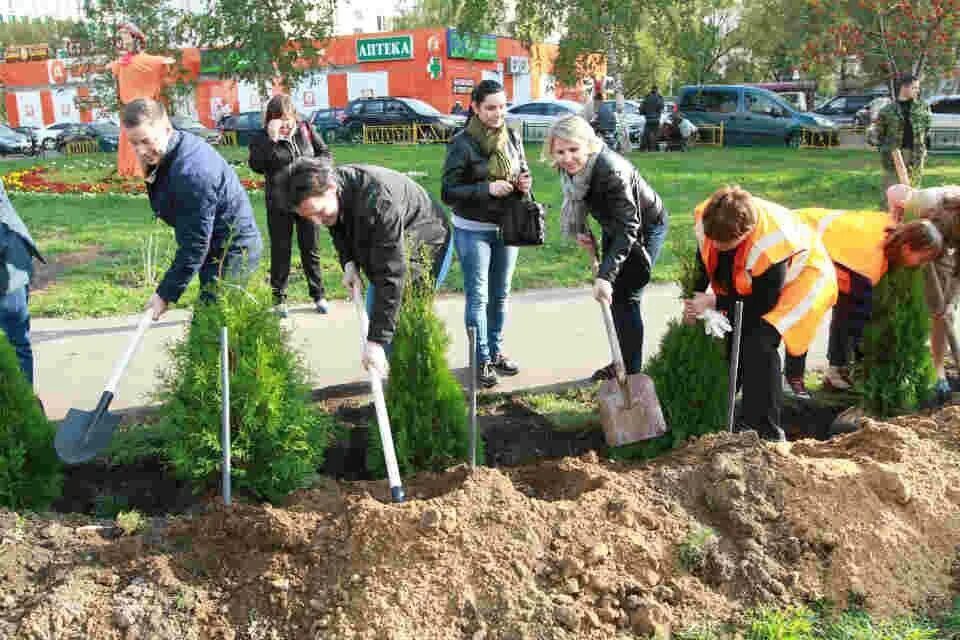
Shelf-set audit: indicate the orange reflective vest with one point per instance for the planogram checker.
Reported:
(810, 288)
(853, 239)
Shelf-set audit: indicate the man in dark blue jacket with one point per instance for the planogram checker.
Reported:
(17, 251)
(194, 190)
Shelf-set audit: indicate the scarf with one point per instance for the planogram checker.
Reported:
(573, 215)
(493, 143)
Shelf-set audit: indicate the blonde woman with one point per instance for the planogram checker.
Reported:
(631, 215)
(283, 140)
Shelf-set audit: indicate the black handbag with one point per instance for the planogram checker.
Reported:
(523, 223)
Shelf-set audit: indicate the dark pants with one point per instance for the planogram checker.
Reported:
(628, 294)
(15, 323)
(650, 132)
(850, 315)
(236, 266)
(280, 224)
(758, 375)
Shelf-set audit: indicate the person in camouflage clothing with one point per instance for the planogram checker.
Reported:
(904, 124)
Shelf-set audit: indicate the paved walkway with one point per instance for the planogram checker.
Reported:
(556, 335)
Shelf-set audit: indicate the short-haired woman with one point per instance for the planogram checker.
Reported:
(759, 252)
(631, 215)
(283, 140)
(485, 165)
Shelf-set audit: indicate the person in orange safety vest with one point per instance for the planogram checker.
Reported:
(757, 251)
(863, 246)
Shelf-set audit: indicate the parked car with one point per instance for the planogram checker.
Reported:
(48, 135)
(194, 126)
(105, 133)
(536, 116)
(945, 128)
(843, 109)
(867, 115)
(33, 135)
(325, 120)
(387, 110)
(750, 115)
(243, 124)
(796, 99)
(605, 122)
(12, 142)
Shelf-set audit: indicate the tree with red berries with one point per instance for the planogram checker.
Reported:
(887, 37)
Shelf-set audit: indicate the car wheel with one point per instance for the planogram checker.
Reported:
(49, 144)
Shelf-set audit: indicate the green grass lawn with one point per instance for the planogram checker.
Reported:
(116, 231)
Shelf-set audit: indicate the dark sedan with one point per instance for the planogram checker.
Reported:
(106, 134)
(239, 128)
(12, 142)
(194, 126)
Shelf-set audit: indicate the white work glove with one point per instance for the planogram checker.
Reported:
(351, 277)
(375, 359)
(715, 323)
(273, 129)
(603, 291)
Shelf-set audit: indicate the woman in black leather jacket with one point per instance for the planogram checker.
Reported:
(283, 140)
(631, 215)
(485, 165)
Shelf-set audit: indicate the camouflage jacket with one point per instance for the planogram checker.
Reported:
(890, 132)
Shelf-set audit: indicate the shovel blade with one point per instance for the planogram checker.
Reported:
(627, 422)
(82, 435)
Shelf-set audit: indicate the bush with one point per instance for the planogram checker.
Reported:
(896, 373)
(30, 475)
(428, 413)
(277, 438)
(690, 374)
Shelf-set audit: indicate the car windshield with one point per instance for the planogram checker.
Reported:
(183, 122)
(106, 128)
(420, 107)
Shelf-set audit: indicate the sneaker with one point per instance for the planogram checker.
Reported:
(797, 388)
(608, 372)
(487, 376)
(322, 306)
(505, 366)
(941, 391)
(281, 310)
(836, 378)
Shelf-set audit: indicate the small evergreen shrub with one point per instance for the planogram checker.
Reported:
(30, 476)
(277, 438)
(896, 373)
(426, 405)
(690, 373)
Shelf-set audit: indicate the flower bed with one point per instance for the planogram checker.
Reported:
(39, 180)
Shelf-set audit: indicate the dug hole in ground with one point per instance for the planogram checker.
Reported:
(571, 548)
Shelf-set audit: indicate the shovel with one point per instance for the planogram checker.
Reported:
(380, 404)
(629, 408)
(83, 434)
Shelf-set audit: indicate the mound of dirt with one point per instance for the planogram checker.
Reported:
(575, 548)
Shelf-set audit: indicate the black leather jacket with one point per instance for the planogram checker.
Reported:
(272, 158)
(466, 185)
(384, 214)
(624, 205)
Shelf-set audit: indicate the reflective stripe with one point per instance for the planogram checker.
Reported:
(766, 242)
(796, 314)
(797, 265)
(825, 222)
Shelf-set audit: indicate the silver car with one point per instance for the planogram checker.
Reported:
(533, 119)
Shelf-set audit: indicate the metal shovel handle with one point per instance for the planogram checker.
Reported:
(145, 321)
(380, 405)
(734, 361)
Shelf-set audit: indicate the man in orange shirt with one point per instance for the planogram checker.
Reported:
(139, 75)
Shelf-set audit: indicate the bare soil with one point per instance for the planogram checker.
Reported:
(563, 549)
(46, 274)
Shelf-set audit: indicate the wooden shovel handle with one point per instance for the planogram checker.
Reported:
(900, 166)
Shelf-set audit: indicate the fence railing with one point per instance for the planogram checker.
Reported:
(710, 134)
(229, 138)
(77, 147)
(404, 133)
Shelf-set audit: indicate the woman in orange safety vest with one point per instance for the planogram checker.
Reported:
(759, 252)
(863, 246)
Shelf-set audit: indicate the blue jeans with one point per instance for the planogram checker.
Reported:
(628, 294)
(15, 323)
(235, 266)
(487, 271)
